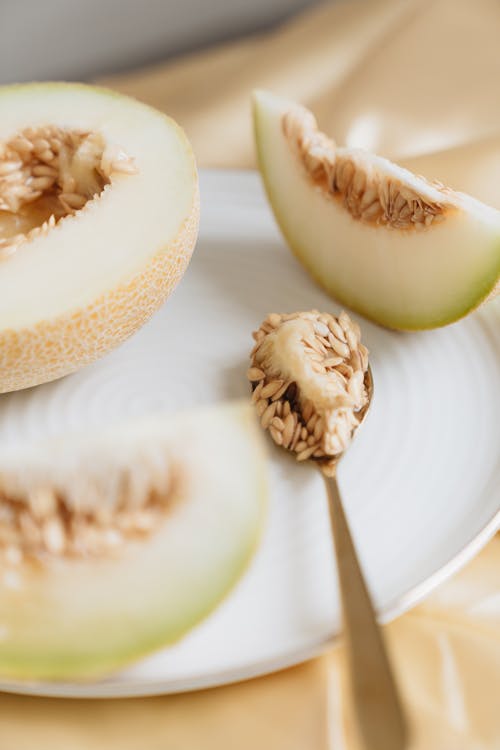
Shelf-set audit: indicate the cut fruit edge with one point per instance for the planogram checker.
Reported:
(387, 270)
(155, 590)
(69, 295)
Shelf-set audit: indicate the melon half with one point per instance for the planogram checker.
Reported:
(403, 251)
(98, 219)
(160, 516)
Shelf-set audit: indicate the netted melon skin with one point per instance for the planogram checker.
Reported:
(55, 348)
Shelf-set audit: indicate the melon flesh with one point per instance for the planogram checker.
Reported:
(74, 618)
(69, 296)
(401, 278)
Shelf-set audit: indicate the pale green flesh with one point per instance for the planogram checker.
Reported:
(106, 244)
(399, 278)
(82, 619)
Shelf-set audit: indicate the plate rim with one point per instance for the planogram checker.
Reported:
(399, 606)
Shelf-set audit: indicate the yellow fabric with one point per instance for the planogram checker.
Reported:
(404, 77)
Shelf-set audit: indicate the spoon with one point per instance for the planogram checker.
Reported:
(376, 701)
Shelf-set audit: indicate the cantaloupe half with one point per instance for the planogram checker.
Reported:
(98, 220)
(83, 603)
(404, 252)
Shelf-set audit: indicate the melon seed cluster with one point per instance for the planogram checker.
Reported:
(368, 194)
(308, 372)
(67, 167)
(39, 520)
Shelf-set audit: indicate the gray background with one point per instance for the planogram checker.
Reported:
(78, 39)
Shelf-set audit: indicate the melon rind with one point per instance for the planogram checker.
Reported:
(68, 310)
(78, 619)
(402, 279)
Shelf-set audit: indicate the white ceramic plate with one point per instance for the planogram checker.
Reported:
(421, 482)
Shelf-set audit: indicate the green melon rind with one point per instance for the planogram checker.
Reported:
(52, 666)
(104, 653)
(483, 289)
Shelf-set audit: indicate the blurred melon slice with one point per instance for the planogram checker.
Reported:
(98, 220)
(404, 252)
(115, 544)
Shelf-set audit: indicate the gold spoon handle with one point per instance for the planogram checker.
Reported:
(376, 700)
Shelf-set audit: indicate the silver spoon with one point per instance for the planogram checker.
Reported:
(376, 701)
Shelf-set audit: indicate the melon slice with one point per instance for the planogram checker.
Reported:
(404, 252)
(116, 544)
(98, 220)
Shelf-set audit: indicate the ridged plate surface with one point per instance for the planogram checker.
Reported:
(421, 483)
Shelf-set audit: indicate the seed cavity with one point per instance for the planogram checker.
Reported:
(49, 173)
(87, 515)
(369, 195)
